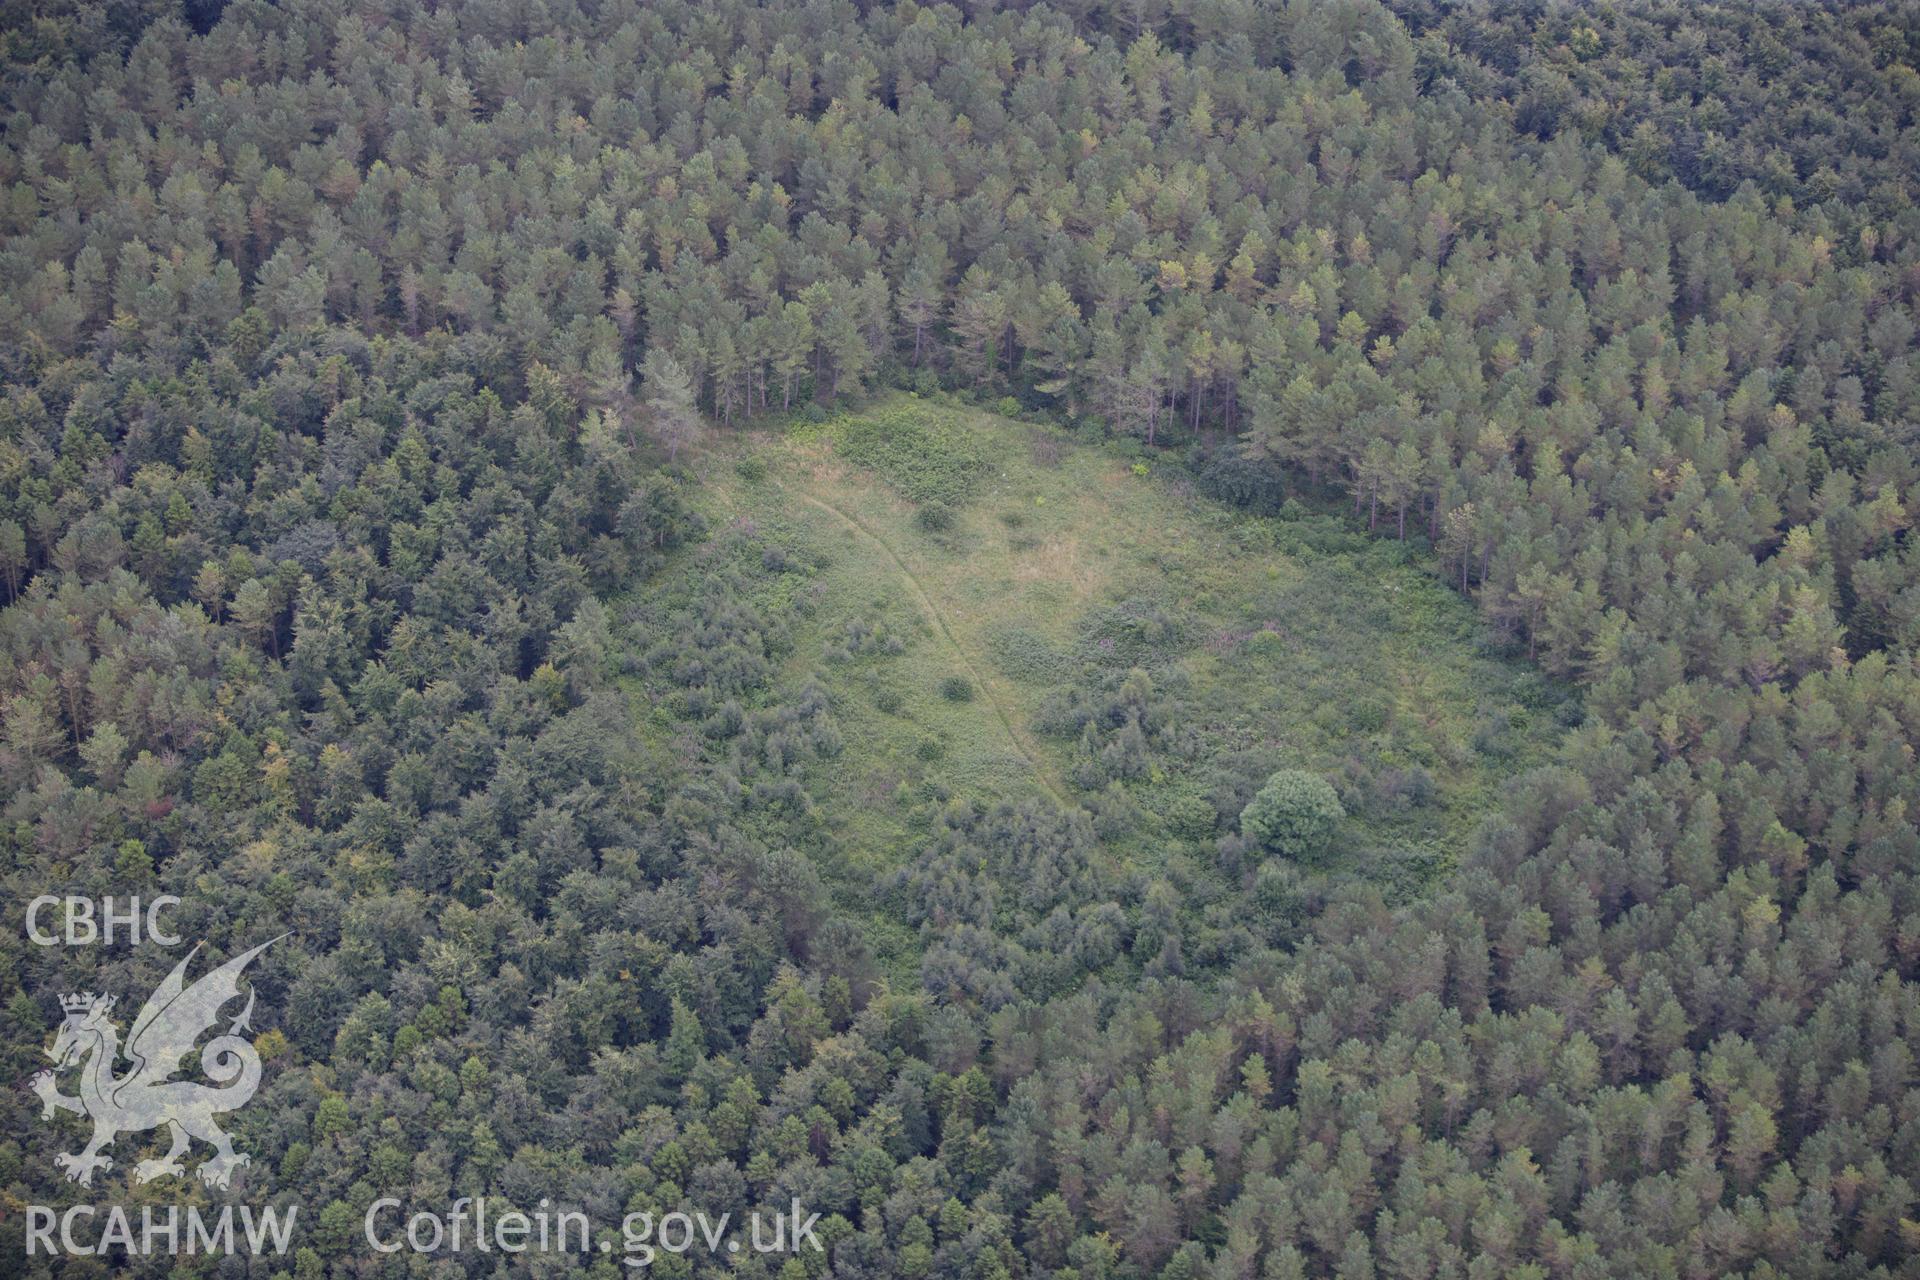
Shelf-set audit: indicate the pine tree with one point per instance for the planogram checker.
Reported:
(670, 403)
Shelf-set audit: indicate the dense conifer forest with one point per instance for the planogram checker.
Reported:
(532, 499)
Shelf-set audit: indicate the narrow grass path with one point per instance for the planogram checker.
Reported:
(939, 621)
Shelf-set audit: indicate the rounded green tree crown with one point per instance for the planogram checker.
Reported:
(1293, 815)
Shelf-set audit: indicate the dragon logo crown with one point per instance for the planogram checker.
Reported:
(85, 1002)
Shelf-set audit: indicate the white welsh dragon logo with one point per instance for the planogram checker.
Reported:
(146, 1097)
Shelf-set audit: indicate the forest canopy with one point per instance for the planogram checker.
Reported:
(364, 367)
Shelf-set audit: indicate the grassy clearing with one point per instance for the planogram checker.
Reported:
(1005, 566)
